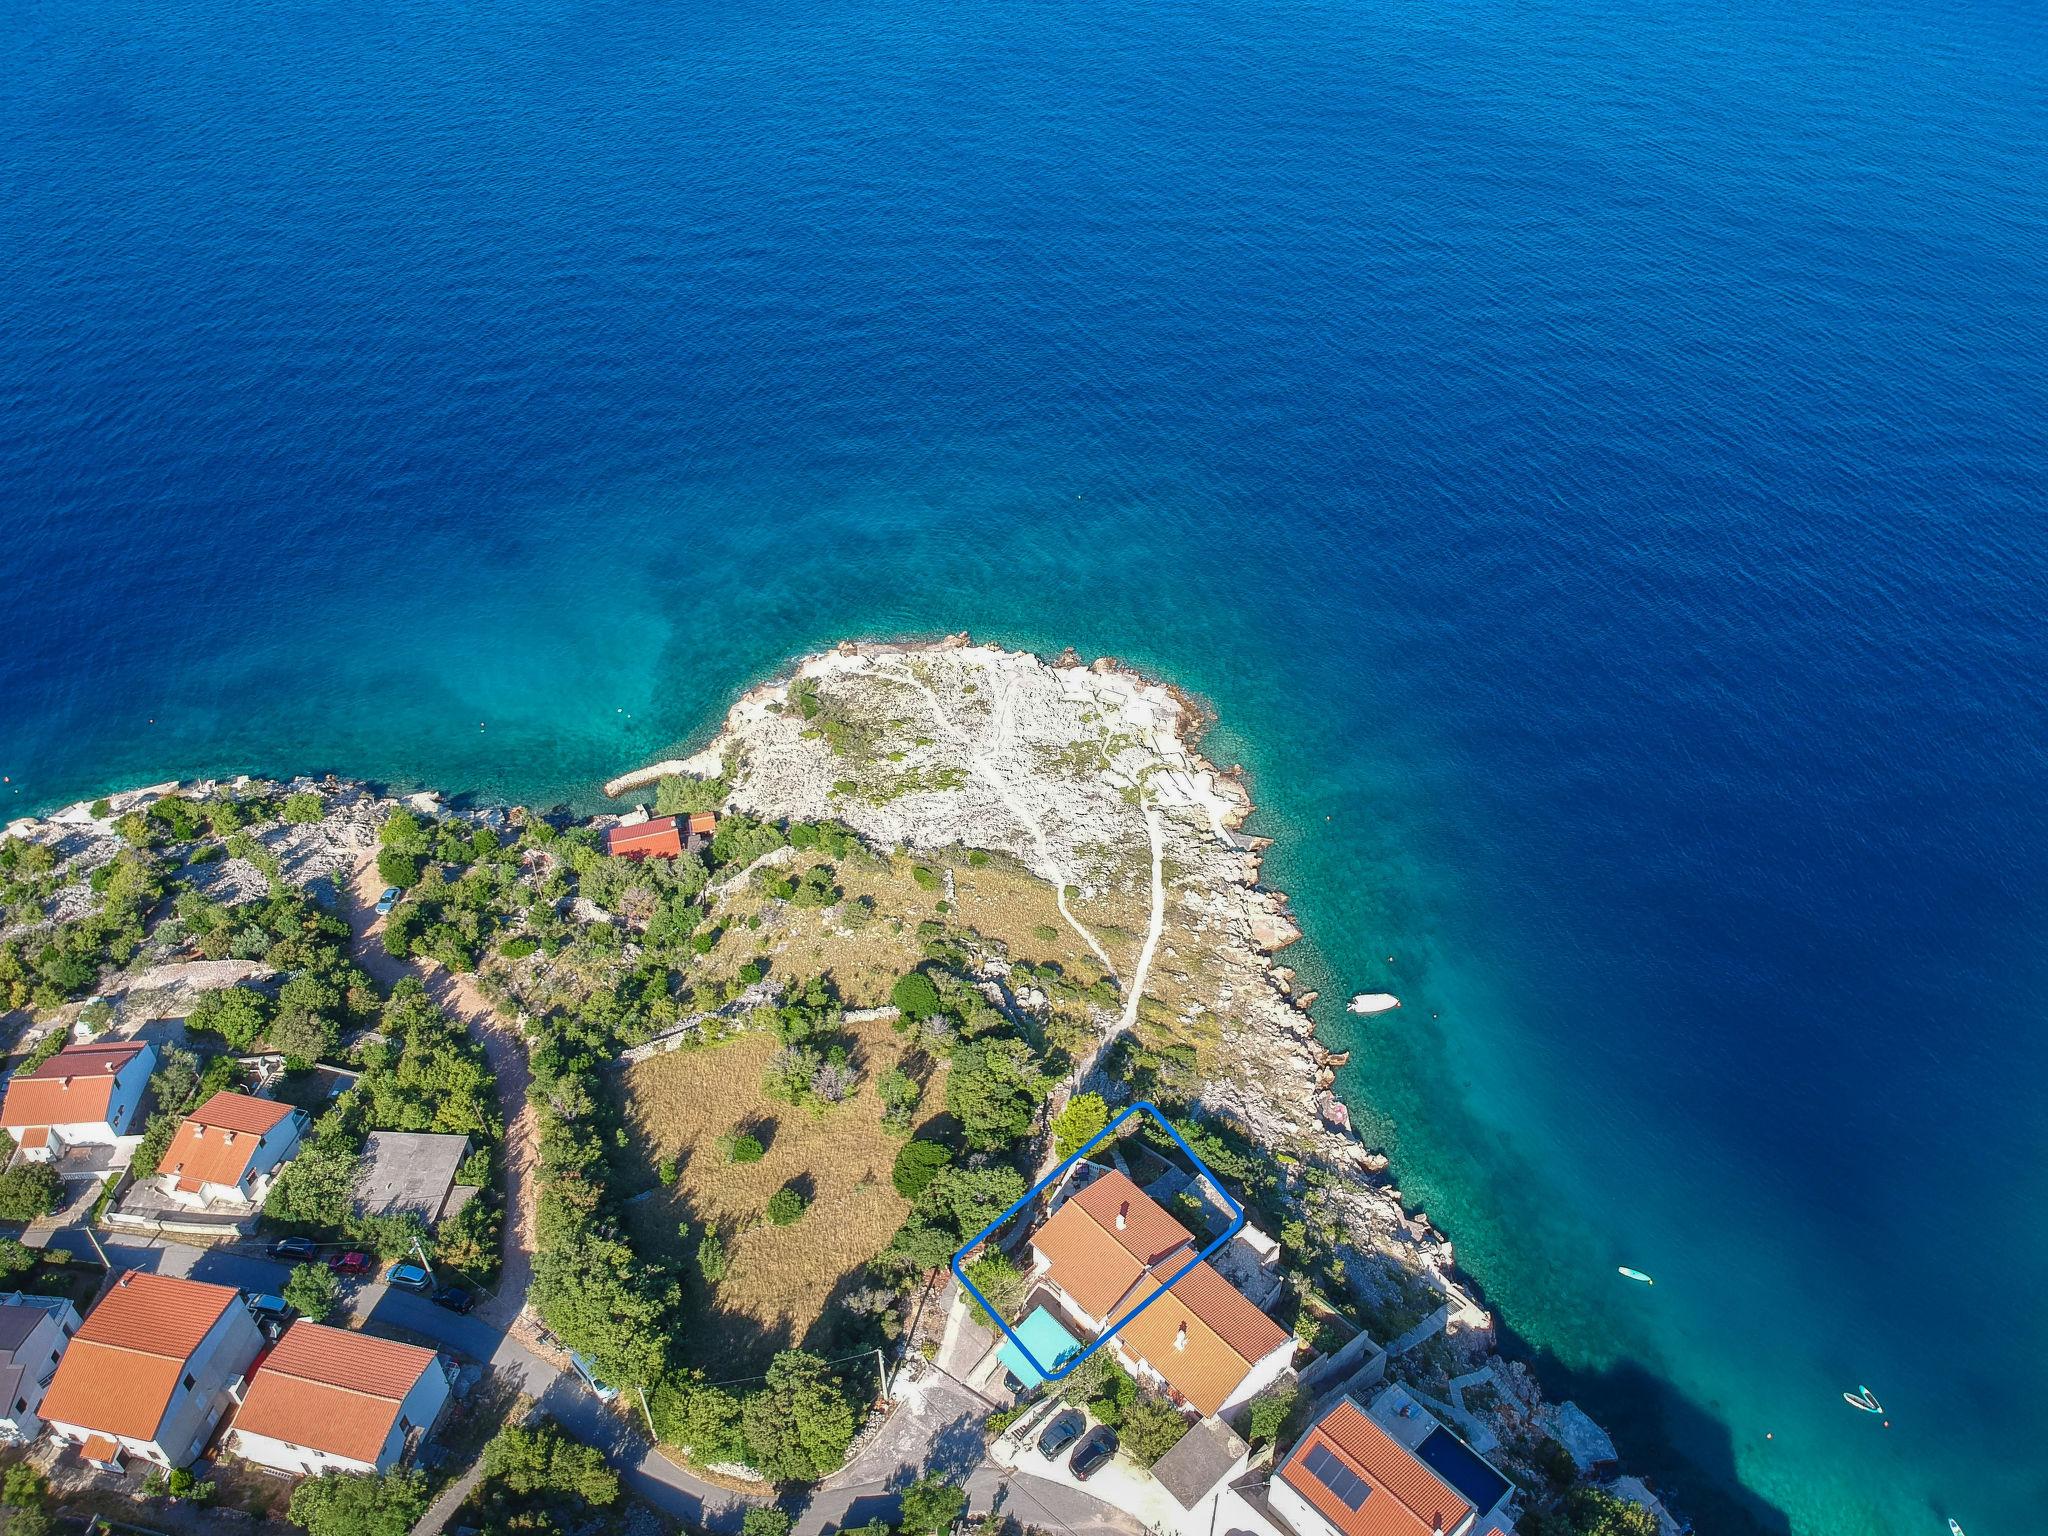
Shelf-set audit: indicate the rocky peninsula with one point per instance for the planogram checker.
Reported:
(1083, 785)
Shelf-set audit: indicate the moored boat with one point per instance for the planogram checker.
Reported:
(1373, 1002)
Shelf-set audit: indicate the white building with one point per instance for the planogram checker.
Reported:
(1105, 1251)
(85, 1095)
(331, 1400)
(1351, 1475)
(149, 1372)
(34, 1332)
(228, 1150)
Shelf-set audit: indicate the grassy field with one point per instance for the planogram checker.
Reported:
(782, 1280)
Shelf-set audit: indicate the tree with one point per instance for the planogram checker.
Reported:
(786, 1205)
(1151, 1427)
(237, 1014)
(1084, 1118)
(678, 794)
(355, 1504)
(746, 1148)
(955, 1204)
(399, 869)
(797, 1428)
(313, 1290)
(28, 1191)
(543, 1461)
(303, 807)
(764, 1520)
(403, 832)
(711, 1261)
(900, 1096)
(16, 1258)
(302, 1038)
(999, 1280)
(916, 1166)
(993, 1089)
(915, 995)
(1270, 1411)
(1596, 1512)
(930, 1506)
(703, 1421)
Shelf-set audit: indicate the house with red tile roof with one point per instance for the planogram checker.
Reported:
(333, 1400)
(1395, 1470)
(661, 837)
(85, 1095)
(149, 1372)
(228, 1150)
(1107, 1247)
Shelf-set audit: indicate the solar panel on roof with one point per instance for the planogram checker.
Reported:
(1348, 1487)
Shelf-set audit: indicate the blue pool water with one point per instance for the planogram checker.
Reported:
(1593, 457)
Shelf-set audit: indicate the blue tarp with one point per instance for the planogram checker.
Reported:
(1046, 1338)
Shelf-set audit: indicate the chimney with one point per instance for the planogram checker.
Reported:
(1180, 1341)
(1123, 1212)
(65, 1082)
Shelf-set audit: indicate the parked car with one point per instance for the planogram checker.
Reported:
(455, 1298)
(295, 1250)
(261, 1307)
(408, 1277)
(587, 1369)
(1012, 1384)
(388, 900)
(350, 1264)
(1093, 1454)
(1062, 1432)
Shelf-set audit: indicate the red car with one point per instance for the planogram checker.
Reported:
(349, 1264)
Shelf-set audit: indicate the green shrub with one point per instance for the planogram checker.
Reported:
(711, 1261)
(930, 1506)
(785, 1206)
(399, 869)
(29, 1190)
(747, 1148)
(916, 1165)
(519, 948)
(1151, 1427)
(915, 995)
(751, 972)
(303, 807)
(313, 1290)
(926, 877)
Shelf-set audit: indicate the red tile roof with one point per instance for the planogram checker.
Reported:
(217, 1140)
(657, 838)
(1110, 1247)
(74, 1087)
(125, 1362)
(1406, 1498)
(333, 1390)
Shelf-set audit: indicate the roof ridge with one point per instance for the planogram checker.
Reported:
(338, 1386)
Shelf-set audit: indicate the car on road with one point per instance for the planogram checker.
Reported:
(1062, 1432)
(408, 1277)
(1093, 1453)
(455, 1298)
(349, 1265)
(296, 1250)
(587, 1369)
(388, 900)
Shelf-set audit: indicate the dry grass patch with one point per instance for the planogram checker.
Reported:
(780, 1279)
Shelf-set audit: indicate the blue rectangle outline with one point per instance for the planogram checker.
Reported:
(1202, 1170)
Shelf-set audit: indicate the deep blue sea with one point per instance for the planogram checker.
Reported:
(1593, 456)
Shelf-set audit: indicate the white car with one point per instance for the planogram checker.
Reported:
(388, 900)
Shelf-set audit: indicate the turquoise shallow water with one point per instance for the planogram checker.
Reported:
(1591, 458)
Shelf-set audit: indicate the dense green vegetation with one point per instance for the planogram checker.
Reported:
(348, 1504)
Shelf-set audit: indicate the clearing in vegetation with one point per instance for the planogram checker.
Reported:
(780, 1281)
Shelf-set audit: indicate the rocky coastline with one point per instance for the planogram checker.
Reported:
(1090, 775)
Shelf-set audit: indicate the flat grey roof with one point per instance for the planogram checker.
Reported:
(407, 1171)
(1201, 1459)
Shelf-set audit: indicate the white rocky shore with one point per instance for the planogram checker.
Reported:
(1090, 776)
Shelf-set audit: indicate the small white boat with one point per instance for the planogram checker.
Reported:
(1636, 1275)
(1954, 1529)
(1373, 1002)
(1864, 1399)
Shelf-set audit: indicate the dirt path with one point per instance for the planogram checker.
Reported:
(983, 765)
(1152, 928)
(460, 999)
